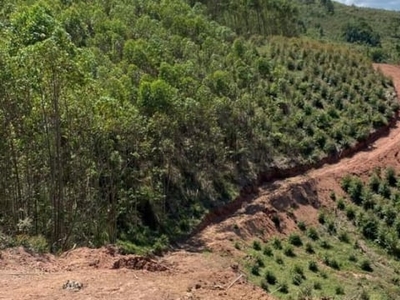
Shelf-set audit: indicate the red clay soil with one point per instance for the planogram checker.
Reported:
(200, 274)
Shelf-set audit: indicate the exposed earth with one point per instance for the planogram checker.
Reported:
(205, 266)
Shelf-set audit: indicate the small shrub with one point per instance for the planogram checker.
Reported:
(260, 262)
(313, 266)
(309, 248)
(353, 258)
(277, 244)
(295, 240)
(323, 274)
(339, 290)
(317, 285)
(374, 183)
(270, 277)
(350, 213)
(332, 195)
(256, 245)
(283, 288)
(331, 228)
(331, 263)
(264, 285)
(366, 265)
(255, 270)
(384, 190)
(341, 205)
(297, 279)
(313, 234)
(302, 226)
(334, 264)
(288, 251)
(299, 270)
(364, 295)
(279, 260)
(305, 293)
(267, 251)
(344, 237)
(237, 246)
(390, 176)
(276, 220)
(325, 244)
(346, 183)
(322, 218)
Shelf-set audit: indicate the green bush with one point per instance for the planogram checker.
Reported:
(353, 258)
(322, 218)
(339, 290)
(302, 226)
(260, 262)
(309, 248)
(366, 265)
(390, 176)
(277, 244)
(256, 245)
(295, 240)
(313, 233)
(350, 213)
(317, 285)
(264, 285)
(270, 277)
(325, 244)
(279, 260)
(297, 279)
(344, 237)
(313, 266)
(283, 288)
(268, 251)
(341, 205)
(255, 270)
(288, 251)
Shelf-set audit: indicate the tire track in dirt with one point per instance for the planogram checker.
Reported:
(302, 195)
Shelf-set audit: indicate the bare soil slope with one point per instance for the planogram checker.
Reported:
(193, 273)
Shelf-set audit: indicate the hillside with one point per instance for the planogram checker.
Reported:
(329, 20)
(129, 122)
(206, 267)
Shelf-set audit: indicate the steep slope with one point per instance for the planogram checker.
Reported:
(302, 196)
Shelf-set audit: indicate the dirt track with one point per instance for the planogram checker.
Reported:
(199, 274)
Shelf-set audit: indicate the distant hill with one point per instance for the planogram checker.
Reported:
(329, 20)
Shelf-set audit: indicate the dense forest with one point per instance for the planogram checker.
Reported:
(128, 120)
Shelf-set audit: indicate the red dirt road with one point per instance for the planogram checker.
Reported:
(200, 274)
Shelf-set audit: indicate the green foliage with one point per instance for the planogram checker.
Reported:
(270, 277)
(267, 251)
(312, 233)
(309, 248)
(288, 251)
(341, 205)
(255, 270)
(257, 245)
(302, 226)
(313, 266)
(361, 32)
(277, 243)
(366, 265)
(295, 240)
(339, 290)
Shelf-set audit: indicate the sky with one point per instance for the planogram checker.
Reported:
(386, 4)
